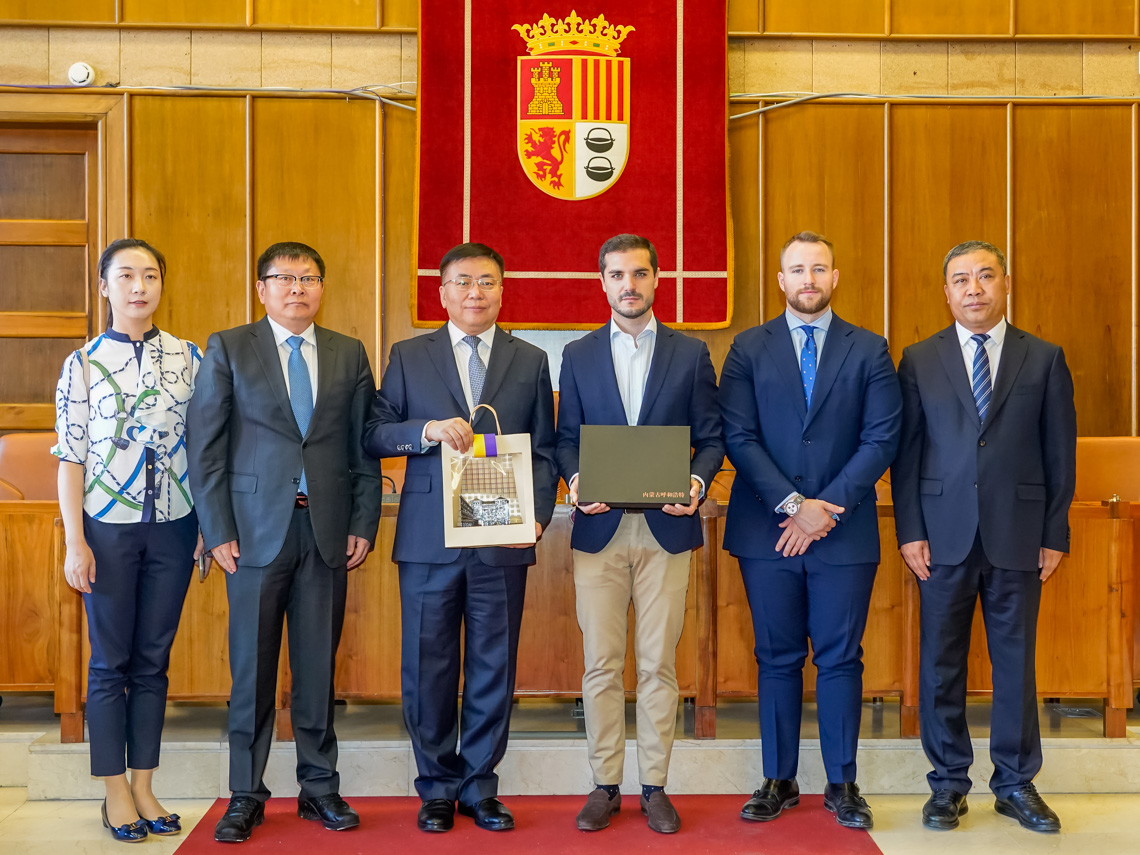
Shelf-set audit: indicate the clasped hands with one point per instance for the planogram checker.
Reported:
(813, 521)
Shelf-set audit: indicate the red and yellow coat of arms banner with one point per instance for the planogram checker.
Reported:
(545, 130)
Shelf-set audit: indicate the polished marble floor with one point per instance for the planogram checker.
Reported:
(1103, 825)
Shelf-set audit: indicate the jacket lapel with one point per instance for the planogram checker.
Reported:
(326, 370)
(658, 369)
(605, 376)
(442, 356)
(265, 347)
(1013, 352)
(783, 353)
(502, 354)
(837, 345)
(950, 350)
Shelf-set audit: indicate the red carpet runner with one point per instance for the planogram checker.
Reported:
(544, 824)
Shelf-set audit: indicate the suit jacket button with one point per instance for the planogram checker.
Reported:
(981, 443)
(797, 478)
(296, 480)
(807, 442)
(306, 445)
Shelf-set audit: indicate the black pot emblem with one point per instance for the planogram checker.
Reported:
(599, 168)
(599, 140)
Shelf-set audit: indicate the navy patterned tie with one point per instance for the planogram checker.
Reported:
(300, 394)
(982, 383)
(476, 370)
(807, 362)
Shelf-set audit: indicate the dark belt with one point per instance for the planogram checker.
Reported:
(633, 510)
(302, 501)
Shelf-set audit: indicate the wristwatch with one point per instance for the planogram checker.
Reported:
(792, 506)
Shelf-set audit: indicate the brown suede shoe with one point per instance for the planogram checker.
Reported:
(595, 814)
(662, 815)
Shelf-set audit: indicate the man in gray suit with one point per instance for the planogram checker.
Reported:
(289, 503)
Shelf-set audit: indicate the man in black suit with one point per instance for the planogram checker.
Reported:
(289, 503)
(982, 487)
(429, 390)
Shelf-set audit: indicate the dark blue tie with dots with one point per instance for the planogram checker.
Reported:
(808, 362)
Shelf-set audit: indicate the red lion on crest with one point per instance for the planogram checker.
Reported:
(549, 149)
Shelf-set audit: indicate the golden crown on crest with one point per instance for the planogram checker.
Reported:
(573, 33)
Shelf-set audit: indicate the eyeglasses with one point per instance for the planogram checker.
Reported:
(464, 283)
(287, 280)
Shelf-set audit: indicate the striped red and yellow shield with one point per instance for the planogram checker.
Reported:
(573, 122)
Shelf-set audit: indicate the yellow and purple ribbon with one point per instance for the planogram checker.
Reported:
(485, 445)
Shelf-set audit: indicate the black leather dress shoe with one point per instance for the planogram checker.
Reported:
(942, 810)
(436, 815)
(1026, 806)
(490, 814)
(849, 807)
(332, 811)
(773, 797)
(243, 814)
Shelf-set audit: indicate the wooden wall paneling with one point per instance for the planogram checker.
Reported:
(736, 643)
(825, 16)
(32, 366)
(182, 13)
(814, 181)
(948, 184)
(27, 416)
(399, 228)
(368, 660)
(199, 659)
(399, 14)
(745, 16)
(187, 171)
(28, 596)
(44, 186)
(315, 181)
(962, 17)
(363, 14)
(1072, 177)
(1048, 17)
(68, 11)
(42, 277)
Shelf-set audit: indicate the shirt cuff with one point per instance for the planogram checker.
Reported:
(784, 501)
(425, 443)
(700, 481)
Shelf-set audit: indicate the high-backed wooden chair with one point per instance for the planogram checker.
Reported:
(1108, 465)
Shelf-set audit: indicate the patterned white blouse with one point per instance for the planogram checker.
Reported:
(129, 430)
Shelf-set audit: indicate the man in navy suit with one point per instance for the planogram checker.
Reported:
(634, 371)
(811, 411)
(429, 389)
(982, 488)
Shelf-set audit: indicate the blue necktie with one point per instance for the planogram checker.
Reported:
(476, 370)
(300, 394)
(982, 383)
(807, 362)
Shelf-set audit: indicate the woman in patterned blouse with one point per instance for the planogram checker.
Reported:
(130, 524)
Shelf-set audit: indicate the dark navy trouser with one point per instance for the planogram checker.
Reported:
(142, 571)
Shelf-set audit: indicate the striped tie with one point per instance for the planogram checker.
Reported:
(982, 385)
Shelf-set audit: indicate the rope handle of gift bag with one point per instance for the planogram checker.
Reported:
(471, 420)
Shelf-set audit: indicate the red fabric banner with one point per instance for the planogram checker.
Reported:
(544, 130)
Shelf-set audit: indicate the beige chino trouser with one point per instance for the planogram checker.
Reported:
(632, 566)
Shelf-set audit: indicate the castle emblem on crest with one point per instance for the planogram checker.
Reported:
(573, 105)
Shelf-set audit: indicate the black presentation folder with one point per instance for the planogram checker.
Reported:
(634, 467)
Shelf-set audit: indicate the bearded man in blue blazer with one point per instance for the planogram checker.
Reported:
(812, 416)
(634, 371)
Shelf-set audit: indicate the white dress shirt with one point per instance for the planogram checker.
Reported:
(993, 348)
(461, 350)
(308, 351)
(799, 339)
(632, 358)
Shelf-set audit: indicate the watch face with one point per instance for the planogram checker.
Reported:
(792, 507)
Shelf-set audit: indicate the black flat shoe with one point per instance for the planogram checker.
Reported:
(773, 798)
(490, 814)
(164, 826)
(850, 808)
(436, 815)
(331, 810)
(942, 810)
(130, 832)
(1026, 806)
(243, 814)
